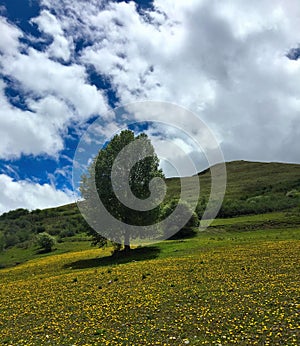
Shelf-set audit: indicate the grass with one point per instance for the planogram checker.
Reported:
(16, 255)
(236, 283)
(277, 216)
(223, 287)
(229, 229)
(248, 179)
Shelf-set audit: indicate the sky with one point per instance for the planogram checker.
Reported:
(65, 63)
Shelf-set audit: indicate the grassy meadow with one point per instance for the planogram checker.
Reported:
(223, 287)
(236, 283)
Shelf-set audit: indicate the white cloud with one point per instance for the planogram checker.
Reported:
(30, 195)
(53, 111)
(42, 76)
(226, 61)
(48, 23)
(25, 132)
(56, 95)
(61, 46)
(9, 39)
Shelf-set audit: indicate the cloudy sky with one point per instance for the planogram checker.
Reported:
(64, 63)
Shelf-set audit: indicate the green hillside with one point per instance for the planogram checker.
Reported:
(249, 179)
(220, 288)
(252, 188)
(236, 283)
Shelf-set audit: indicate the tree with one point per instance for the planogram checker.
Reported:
(45, 241)
(124, 170)
(171, 227)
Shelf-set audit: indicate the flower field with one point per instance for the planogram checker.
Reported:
(242, 294)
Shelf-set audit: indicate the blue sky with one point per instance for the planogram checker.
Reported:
(65, 63)
(42, 168)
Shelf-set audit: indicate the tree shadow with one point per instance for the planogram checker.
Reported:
(43, 251)
(184, 234)
(138, 254)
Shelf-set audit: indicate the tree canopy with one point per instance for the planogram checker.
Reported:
(122, 175)
(45, 241)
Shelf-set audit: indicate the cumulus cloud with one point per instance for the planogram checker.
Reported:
(55, 95)
(42, 76)
(9, 41)
(30, 195)
(61, 46)
(25, 132)
(225, 61)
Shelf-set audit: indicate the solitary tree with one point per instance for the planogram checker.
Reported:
(123, 173)
(45, 241)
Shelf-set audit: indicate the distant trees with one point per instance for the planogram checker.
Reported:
(140, 175)
(15, 214)
(257, 205)
(20, 227)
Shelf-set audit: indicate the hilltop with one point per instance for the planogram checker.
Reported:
(252, 188)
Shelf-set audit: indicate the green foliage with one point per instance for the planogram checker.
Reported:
(67, 233)
(65, 221)
(2, 241)
(239, 230)
(14, 214)
(10, 239)
(45, 241)
(184, 212)
(257, 205)
(252, 188)
(140, 176)
(293, 194)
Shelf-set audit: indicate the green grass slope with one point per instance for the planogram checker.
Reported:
(220, 288)
(253, 188)
(251, 179)
(237, 283)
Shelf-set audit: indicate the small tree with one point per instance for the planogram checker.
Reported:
(184, 213)
(45, 241)
(139, 178)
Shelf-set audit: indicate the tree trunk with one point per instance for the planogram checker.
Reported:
(126, 241)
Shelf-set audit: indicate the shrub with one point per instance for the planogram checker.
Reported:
(40, 229)
(67, 233)
(258, 205)
(10, 239)
(45, 241)
(187, 230)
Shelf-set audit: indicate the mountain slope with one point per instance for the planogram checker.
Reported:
(252, 188)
